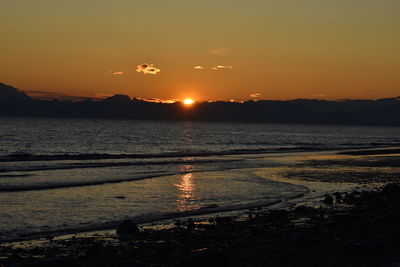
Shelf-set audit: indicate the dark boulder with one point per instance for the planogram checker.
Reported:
(303, 211)
(127, 228)
(279, 216)
(223, 220)
(328, 200)
(391, 190)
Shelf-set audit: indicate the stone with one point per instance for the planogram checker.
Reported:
(127, 228)
(328, 200)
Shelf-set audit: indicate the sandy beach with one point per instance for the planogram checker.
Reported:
(349, 218)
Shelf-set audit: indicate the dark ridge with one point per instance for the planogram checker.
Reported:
(299, 111)
(9, 93)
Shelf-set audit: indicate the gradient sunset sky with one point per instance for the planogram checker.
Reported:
(209, 49)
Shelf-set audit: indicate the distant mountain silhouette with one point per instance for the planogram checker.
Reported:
(356, 112)
(118, 99)
(9, 93)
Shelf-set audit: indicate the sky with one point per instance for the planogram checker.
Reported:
(205, 50)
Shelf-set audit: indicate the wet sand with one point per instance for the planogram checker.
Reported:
(341, 228)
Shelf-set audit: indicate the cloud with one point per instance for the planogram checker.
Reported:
(158, 100)
(147, 69)
(255, 95)
(199, 68)
(49, 96)
(117, 73)
(222, 67)
(220, 51)
(235, 101)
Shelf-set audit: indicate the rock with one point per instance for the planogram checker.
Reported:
(190, 223)
(349, 199)
(338, 196)
(280, 215)
(391, 190)
(328, 200)
(356, 193)
(178, 223)
(127, 228)
(223, 220)
(303, 211)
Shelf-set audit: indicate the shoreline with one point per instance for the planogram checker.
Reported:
(207, 211)
(316, 190)
(23, 252)
(258, 236)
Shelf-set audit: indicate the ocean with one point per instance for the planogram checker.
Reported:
(68, 175)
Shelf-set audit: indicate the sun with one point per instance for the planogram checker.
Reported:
(188, 101)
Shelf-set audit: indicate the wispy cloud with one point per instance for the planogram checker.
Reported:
(222, 67)
(117, 73)
(199, 68)
(158, 100)
(65, 97)
(147, 68)
(255, 95)
(235, 101)
(220, 51)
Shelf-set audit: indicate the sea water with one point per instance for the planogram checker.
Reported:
(60, 175)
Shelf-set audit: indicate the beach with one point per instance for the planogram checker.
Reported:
(348, 217)
(199, 133)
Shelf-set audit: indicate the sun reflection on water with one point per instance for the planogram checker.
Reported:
(187, 198)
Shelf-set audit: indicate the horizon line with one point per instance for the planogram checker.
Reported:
(50, 96)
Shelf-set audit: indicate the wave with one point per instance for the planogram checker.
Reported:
(79, 165)
(16, 157)
(16, 175)
(296, 147)
(33, 187)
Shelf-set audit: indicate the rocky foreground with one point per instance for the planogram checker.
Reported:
(350, 229)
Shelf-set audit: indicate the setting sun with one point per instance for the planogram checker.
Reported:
(188, 101)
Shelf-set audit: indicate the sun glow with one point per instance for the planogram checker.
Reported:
(188, 101)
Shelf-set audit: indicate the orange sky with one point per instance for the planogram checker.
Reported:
(270, 49)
